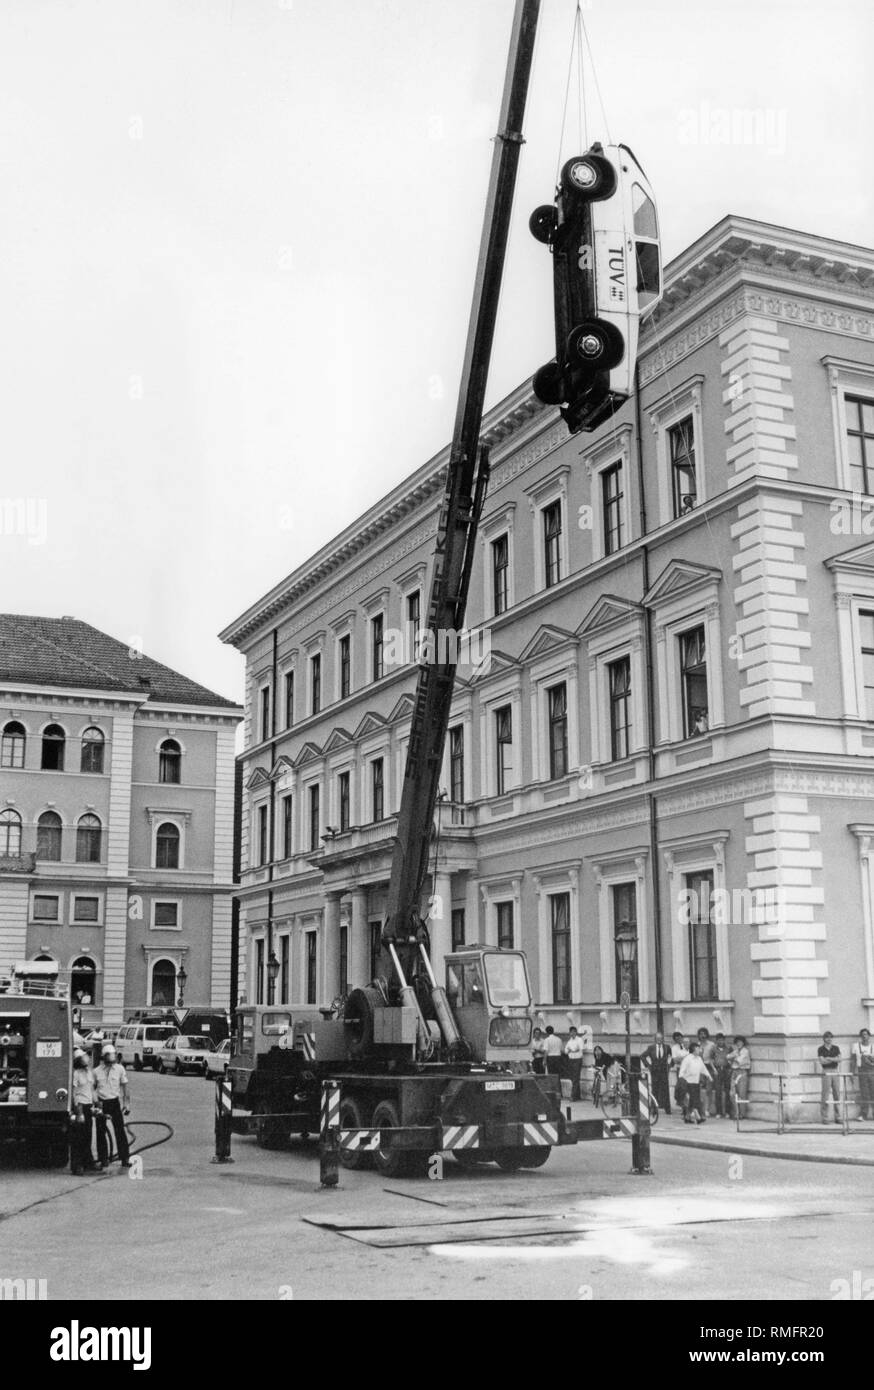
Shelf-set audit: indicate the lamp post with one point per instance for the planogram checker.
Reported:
(626, 950)
(272, 972)
(182, 980)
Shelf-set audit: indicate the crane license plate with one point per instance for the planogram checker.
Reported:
(500, 1085)
(48, 1049)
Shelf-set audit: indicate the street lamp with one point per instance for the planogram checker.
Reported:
(626, 950)
(182, 980)
(272, 972)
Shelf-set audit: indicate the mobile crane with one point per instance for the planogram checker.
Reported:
(418, 1067)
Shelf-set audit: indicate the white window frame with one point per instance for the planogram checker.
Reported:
(697, 606)
(74, 898)
(610, 451)
(289, 669)
(159, 818)
(558, 668)
(669, 410)
(499, 523)
(463, 716)
(547, 882)
(306, 818)
(174, 954)
(58, 921)
(846, 378)
(262, 686)
(553, 488)
(628, 866)
(162, 899)
(375, 606)
(344, 762)
(406, 585)
(690, 856)
(344, 626)
(507, 888)
(618, 640)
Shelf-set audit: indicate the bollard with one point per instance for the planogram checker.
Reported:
(223, 1106)
(329, 1138)
(640, 1153)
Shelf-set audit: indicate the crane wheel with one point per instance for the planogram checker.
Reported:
(388, 1160)
(352, 1117)
(536, 1157)
(510, 1160)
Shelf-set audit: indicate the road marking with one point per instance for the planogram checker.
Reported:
(226, 1211)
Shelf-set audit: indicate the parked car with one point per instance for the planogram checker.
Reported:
(183, 1052)
(138, 1044)
(216, 1061)
(604, 238)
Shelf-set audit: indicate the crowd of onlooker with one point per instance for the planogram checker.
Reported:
(703, 1077)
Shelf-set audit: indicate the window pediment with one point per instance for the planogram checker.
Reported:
(402, 710)
(680, 577)
(370, 724)
(545, 640)
(308, 754)
(259, 778)
(337, 738)
(608, 611)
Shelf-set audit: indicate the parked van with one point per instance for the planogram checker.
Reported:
(138, 1043)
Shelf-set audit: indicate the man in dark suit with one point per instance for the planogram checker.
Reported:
(657, 1059)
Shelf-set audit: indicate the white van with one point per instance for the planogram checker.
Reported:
(137, 1044)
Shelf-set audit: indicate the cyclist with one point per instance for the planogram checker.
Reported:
(606, 1077)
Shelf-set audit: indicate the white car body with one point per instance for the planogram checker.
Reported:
(216, 1061)
(183, 1052)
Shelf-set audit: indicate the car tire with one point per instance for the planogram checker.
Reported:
(138, 1062)
(353, 1116)
(160, 1068)
(588, 178)
(595, 344)
(542, 223)
(177, 1067)
(388, 1160)
(548, 384)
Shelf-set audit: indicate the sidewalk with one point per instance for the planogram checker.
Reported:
(807, 1144)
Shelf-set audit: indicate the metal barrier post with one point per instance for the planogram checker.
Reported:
(845, 1104)
(223, 1104)
(780, 1124)
(329, 1137)
(640, 1145)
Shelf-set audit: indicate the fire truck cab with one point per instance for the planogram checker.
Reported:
(36, 1051)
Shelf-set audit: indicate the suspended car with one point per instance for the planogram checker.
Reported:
(603, 233)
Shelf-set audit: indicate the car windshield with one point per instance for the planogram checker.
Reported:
(274, 1024)
(159, 1034)
(507, 979)
(194, 1044)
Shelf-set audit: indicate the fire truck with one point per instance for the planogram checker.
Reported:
(36, 1052)
(415, 1066)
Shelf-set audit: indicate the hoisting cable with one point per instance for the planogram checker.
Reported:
(575, 59)
(595, 75)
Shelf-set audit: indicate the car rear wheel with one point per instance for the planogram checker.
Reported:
(177, 1067)
(595, 343)
(589, 177)
(159, 1066)
(541, 223)
(548, 384)
(352, 1116)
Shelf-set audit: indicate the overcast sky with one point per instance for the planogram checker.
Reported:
(238, 240)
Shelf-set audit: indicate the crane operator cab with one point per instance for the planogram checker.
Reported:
(490, 995)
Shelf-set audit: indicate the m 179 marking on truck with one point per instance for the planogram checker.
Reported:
(48, 1049)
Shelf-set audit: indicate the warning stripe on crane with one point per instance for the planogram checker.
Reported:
(539, 1133)
(331, 1105)
(361, 1140)
(460, 1137)
(623, 1128)
(306, 1043)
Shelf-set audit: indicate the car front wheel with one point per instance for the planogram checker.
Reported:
(596, 344)
(589, 177)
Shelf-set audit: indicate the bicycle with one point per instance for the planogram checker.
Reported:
(613, 1095)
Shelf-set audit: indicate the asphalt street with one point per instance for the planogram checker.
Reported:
(703, 1226)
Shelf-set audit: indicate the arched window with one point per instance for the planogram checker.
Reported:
(167, 846)
(48, 837)
(83, 981)
(163, 983)
(93, 744)
(10, 834)
(53, 742)
(170, 761)
(89, 834)
(12, 746)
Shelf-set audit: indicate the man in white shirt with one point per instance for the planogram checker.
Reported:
(693, 1072)
(110, 1083)
(573, 1050)
(553, 1050)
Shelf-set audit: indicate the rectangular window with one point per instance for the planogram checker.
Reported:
(866, 625)
(457, 928)
(284, 960)
(259, 972)
(500, 574)
(312, 967)
(377, 626)
(624, 897)
(343, 798)
(265, 713)
(503, 748)
(505, 925)
(693, 669)
(611, 507)
(315, 683)
(619, 677)
(87, 909)
(377, 789)
(681, 447)
(166, 914)
(315, 818)
(344, 960)
(46, 907)
(702, 936)
(414, 617)
(287, 826)
(375, 947)
(289, 699)
(557, 696)
(456, 764)
(860, 443)
(560, 923)
(262, 834)
(345, 655)
(552, 543)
